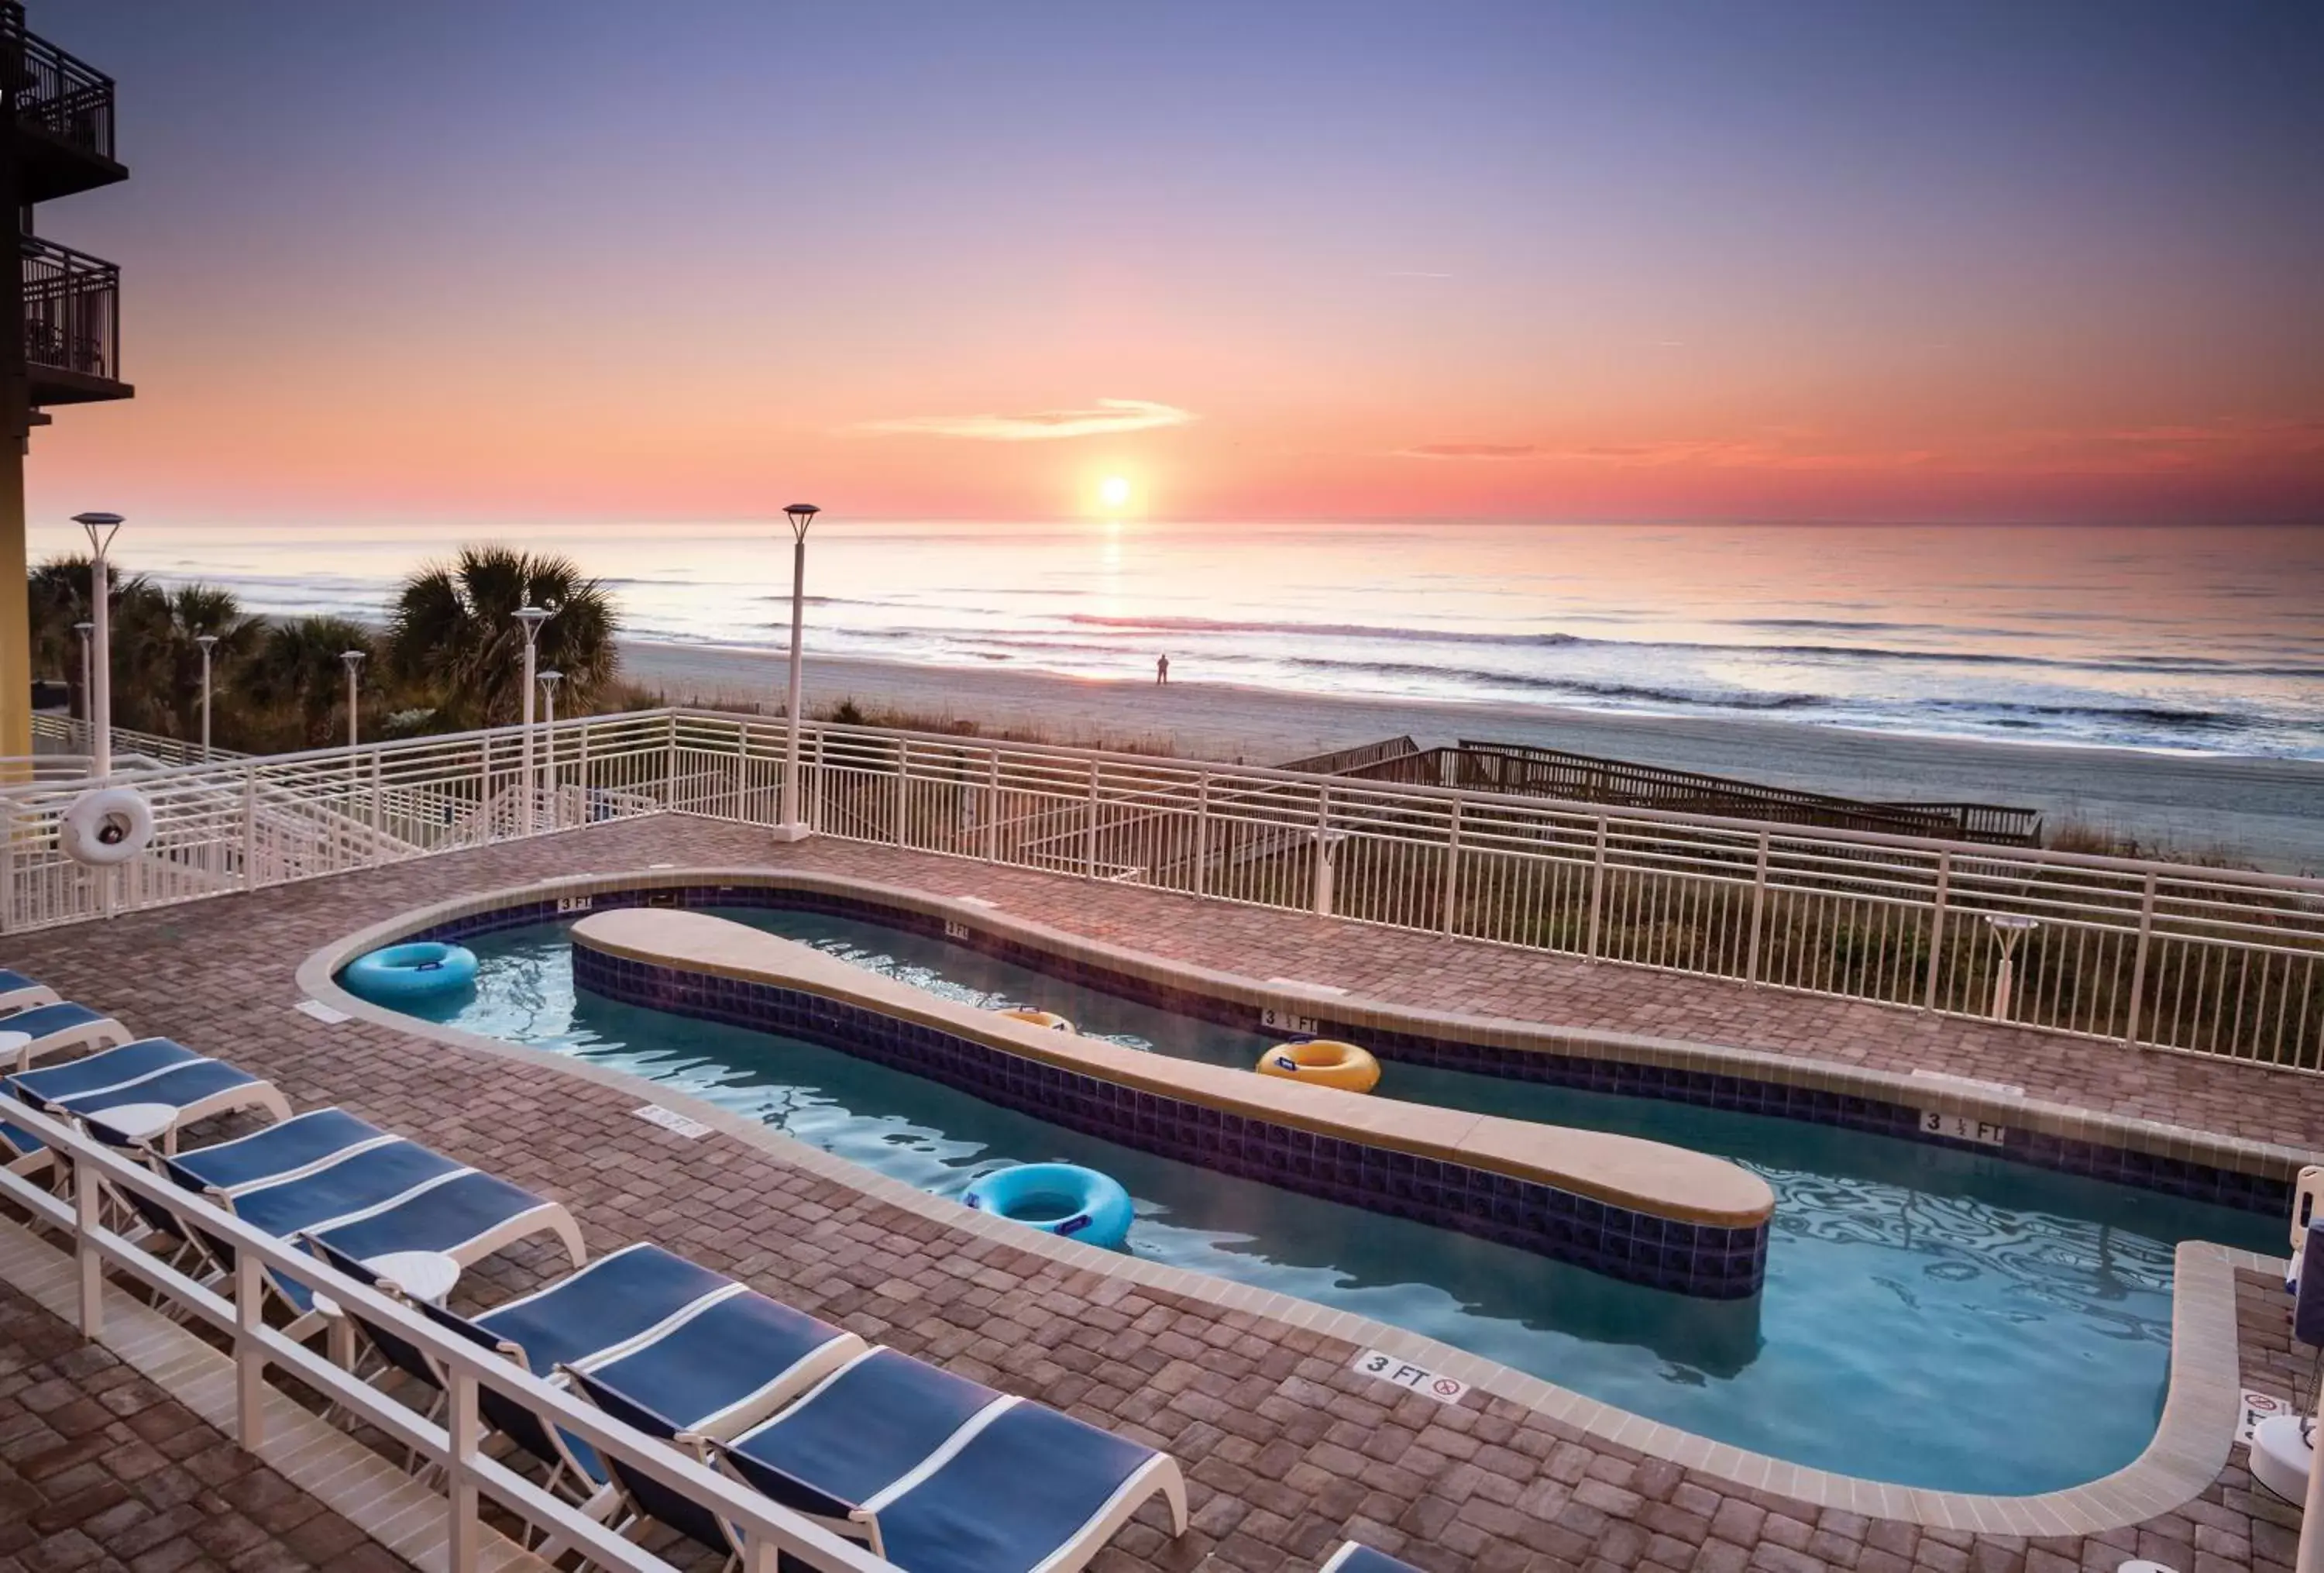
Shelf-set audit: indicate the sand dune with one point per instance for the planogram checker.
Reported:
(2268, 812)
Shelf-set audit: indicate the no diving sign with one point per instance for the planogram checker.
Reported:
(2257, 1407)
(1404, 1373)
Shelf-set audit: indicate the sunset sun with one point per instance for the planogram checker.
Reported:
(1113, 491)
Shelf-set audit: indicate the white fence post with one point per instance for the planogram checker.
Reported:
(2138, 966)
(903, 789)
(1202, 835)
(813, 794)
(89, 1211)
(1450, 901)
(464, 1545)
(1320, 900)
(1089, 828)
(249, 1355)
(1597, 890)
(249, 826)
(993, 805)
(1758, 910)
(1937, 929)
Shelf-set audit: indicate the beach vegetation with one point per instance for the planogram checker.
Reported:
(450, 657)
(294, 684)
(453, 635)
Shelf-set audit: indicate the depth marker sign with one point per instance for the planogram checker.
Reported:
(2256, 1407)
(1405, 1374)
(672, 1121)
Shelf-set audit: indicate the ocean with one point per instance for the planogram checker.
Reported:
(2192, 639)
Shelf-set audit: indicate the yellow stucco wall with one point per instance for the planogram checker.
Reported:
(15, 619)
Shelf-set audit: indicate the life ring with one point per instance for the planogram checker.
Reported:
(1324, 1061)
(1058, 1199)
(1049, 1019)
(424, 970)
(107, 826)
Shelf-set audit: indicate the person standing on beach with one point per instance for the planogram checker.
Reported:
(1161, 670)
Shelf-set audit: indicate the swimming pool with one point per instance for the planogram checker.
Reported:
(1932, 1317)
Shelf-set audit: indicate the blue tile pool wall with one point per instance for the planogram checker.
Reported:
(1745, 1095)
(1696, 1259)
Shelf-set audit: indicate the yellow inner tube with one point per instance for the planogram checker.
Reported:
(1323, 1061)
(1049, 1019)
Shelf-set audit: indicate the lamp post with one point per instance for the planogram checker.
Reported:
(208, 642)
(354, 660)
(794, 827)
(549, 682)
(88, 692)
(101, 528)
(529, 617)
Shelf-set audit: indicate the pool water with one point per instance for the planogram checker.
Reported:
(1933, 1317)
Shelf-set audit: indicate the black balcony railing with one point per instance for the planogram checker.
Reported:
(72, 310)
(54, 92)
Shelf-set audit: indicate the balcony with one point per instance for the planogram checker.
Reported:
(64, 114)
(72, 325)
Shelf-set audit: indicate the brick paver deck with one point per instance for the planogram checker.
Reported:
(2256, 1102)
(101, 1470)
(1287, 1451)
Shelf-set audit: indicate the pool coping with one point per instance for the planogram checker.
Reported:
(2191, 1442)
(1629, 1207)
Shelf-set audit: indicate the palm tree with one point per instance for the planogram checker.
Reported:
(157, 660)
(193, 611)
(58, 593)
(296, 684)
(454, 635)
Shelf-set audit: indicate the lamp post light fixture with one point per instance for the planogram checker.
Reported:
(549, 682)
(794, 825)
(87, 691)
(529, 617)
(354, 660)
(208, 642)
(2009, 929)
(101, 528)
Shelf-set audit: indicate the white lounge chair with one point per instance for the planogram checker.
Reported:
(19, 991)
(53, 1027)
(153, 1073)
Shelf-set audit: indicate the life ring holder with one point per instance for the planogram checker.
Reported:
(106, 826)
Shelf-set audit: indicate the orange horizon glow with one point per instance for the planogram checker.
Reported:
(1911, 267)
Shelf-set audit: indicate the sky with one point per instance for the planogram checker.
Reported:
(508, 261)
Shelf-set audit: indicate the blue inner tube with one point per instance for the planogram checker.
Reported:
(1062, 1199)
(424, 970)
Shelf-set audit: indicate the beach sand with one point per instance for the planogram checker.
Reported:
(2265, 811)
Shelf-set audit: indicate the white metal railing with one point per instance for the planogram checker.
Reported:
(234, 1309)
(2210, 960)
(71, 737)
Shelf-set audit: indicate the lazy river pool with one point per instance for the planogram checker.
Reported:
(1932, 1317)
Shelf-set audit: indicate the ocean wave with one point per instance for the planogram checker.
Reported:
(1574, 687)
(1318, 629)
(2156, 664)
(2003, 710)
